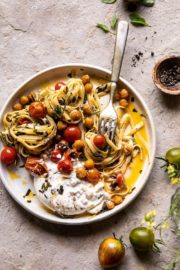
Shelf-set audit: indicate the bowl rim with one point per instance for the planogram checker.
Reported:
(166, 89)
(114, 211)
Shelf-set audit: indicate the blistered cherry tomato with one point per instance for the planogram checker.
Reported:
(34, 166)
(65, 166)
(72, 133)
(56, 155)
(99, 141)
(120, 180)
(37, 110)
(24, 121)
(8, 155)
(58, 85)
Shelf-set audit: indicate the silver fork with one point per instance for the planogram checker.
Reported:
(108, 117)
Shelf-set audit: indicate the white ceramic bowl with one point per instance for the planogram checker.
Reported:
(18, 190)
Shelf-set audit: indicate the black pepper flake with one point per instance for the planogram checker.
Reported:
(28, 201)
(152, 54)
(136, 58)
(140, 171)
(134, 110)
(132, 99)
(69, 75)
(114, 185)
(60, 190)
(27, 193)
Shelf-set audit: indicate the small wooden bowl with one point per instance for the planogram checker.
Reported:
(165, 62)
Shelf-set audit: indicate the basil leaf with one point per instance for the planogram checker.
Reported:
(108, 1)
(114, 21)
(148, 3)
(137, 20)
(103, 27)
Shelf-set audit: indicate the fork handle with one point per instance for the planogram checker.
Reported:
(121, 37)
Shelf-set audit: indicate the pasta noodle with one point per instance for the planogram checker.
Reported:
(29, 138)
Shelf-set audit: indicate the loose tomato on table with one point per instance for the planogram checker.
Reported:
(173, 156)
(111, 252)
(65, 166)
(142, 239)
(37, 110)
(72, 133)
(99, 141)
(34, 165)
(58, 85)
(56, 155)
(8, 155)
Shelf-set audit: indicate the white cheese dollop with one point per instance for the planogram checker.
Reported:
(67, 195)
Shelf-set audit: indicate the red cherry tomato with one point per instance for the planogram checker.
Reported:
(37, 110)
(56, 155)
(59, 85)
(72, 133)
(65, 166)
(24, 121)
(8, 155)
(34, 165)
(120, 180)
(99, 141)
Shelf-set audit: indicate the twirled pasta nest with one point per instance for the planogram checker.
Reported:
(31, 137)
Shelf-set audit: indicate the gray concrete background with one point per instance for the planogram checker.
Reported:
(40, 33)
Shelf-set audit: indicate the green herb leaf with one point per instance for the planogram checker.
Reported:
(114, 21)
(103, 27)
(137, 20)
(108, 1)
(148, 3)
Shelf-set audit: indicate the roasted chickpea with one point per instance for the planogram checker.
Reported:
(85, 79)
(75, 115)
(24, 100)
(117, 199)
(81, 173)
(117, 96)
(89, 164)
(87, 109)
(78, 145)
(93, 176)
(124, 93)
(123, 102)
(17, 107)
(61, 125)
(88, 87)
(110, 205)
(88, 122)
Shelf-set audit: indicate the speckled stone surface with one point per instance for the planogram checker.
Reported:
(40, 33)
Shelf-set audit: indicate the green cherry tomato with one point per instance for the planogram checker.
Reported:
(141, 238)
(173, 156)
(111, 252)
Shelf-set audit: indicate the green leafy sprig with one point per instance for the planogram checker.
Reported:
(107, 29)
